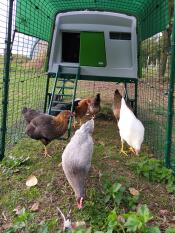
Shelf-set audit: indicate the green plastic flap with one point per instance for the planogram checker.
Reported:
(92, 49)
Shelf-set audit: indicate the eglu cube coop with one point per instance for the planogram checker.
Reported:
(103, 44)
(53, 51)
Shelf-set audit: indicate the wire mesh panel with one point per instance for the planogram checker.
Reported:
(32, 13)
(27, 57)
(153, 94)
(27, 81)
(154, 86)
(27, 77)
(3, 23)
(173, 137)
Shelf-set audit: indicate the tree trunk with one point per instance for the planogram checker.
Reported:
(166, 44)
(164, 55)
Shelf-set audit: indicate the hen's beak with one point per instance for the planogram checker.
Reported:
(137, 152)
(71, 114)
(79, 206)
(80, 203)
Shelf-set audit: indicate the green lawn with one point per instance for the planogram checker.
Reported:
(107, 193)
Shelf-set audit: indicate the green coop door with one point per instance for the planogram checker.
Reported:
(92, 49)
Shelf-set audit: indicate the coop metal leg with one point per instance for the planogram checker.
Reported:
(168, 144)
(6, 79)
(135, 107)
(46, 94)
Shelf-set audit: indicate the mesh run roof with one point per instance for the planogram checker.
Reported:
(36, 17)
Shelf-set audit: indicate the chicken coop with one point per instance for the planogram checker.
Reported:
(51, 50)
(103, 44)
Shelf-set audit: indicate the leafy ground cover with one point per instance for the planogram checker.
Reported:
(124, 194)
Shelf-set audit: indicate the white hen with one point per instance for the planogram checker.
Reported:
(76, 159)
(130, 128)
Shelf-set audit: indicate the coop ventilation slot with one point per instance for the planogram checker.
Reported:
(120, 36)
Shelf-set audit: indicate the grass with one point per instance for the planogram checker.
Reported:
(52, 190)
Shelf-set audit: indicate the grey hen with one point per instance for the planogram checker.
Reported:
(76, 160)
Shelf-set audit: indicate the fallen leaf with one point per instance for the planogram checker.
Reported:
(121, 219)
(31, 181)
(35, 207)
(78, 224)
(3, 214)
(163, 212)
(17, 210)
(133, 191)
(5, 226)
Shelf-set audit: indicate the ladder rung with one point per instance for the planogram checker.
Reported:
(56, 110)
(63, 102)
(55, 101)
(68, 88)
(66, 80)
(65, 95)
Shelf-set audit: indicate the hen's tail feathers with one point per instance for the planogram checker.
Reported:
(123, 101)
(24, 110)
(29, 114)
(98, 96)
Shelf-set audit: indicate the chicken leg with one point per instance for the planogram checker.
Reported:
(74, 122)
(46, 154)
(80, 122)
(122, 149)
(132, 150)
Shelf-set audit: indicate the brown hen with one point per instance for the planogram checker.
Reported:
(47, 128)
(94, 106)
(81, 110)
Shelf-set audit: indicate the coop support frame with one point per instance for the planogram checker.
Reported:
(168, 143)
(6, 79)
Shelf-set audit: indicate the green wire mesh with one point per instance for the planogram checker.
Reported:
(173, 139)
(27, 76)
(153, 90)
(32, 13)
(32, 26)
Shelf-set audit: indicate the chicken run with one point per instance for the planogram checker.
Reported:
(92, 81)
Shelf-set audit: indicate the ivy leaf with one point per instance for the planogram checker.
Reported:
(144, 213)
(153, 229)
(112, 221)
(170, 230)
(43, 228)
(133, 223)
(116, 186)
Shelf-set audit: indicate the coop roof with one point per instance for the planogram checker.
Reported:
(37, 17)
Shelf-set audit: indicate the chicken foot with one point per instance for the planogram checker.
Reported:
(122, 149)
(46, 154)
(131, 149)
